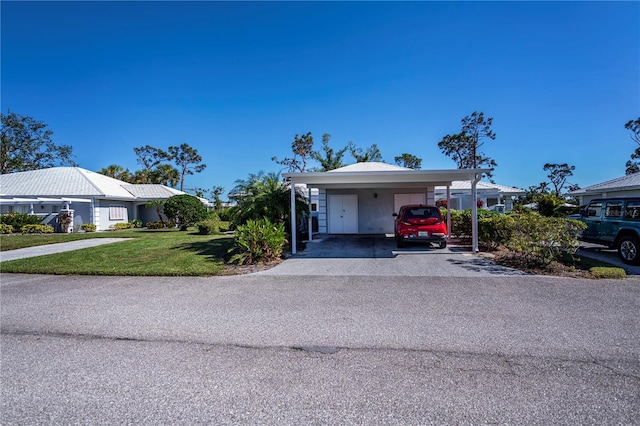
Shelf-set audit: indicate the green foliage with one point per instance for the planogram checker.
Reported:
(302, 148)
(328, 159)
(188, 161)
(210, 225)
(26, 144)
(409, 161)
(539, 240)
(495, 230)
(259, 241)
(362, 156)
(464, 147)
(461, 222)
(608, 272)
(265, 196)
(157, 225)
(185, 210)
(137, 223)
(5, 229)
(122, 225)
(88, 227)
(558, 174)
(18, 220)
(36, 229)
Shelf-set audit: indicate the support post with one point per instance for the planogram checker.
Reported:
(448, 212)
(310, 224)
(294, 231)
(474, 213)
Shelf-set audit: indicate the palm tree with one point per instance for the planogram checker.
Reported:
(116, 172)
(264, 196)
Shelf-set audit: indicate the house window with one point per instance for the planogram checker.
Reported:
(314, 207)
(117, 212)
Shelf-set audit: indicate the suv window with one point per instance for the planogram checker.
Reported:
(632, 211)
(594, 209)
(613, 209)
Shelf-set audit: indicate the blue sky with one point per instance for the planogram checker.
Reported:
(238, 80)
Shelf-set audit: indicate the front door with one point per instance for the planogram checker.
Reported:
(343, 214)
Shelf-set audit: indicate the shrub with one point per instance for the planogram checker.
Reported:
(185, 210)
(495, 231)
(539, 240)
(18, 220)
(5, 229)
(461, 222)
(36, 229)
(225, 226)
(137, 223)
(88, 227)
(258, 241)
(122, 225)
(155, 225)
(209, 226)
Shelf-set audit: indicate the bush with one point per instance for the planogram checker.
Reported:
(185, 210)
(88, 227)
(122, 225)
(258, 241)
(461, 222)
(160, 225)
(209, 226)
(5, 229)
(539, 240)
(36, 229)
(137, 223)
(495, 231)
(18, 220)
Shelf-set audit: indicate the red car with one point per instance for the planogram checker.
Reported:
(419, 223)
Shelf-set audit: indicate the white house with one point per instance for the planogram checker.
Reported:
(625, 186)
(94, 198)
(361, 198)
(490, 194)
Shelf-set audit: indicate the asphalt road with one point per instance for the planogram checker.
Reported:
(339, 349)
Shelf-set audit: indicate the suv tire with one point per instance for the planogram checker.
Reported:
(443, 244)
(629, 250)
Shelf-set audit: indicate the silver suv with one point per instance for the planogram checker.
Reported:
(614, 222)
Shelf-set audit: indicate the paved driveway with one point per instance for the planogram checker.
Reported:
(377, 255)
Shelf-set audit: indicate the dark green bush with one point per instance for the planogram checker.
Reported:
(185, 210)
(36, 229)
(18, 220)
(461, 222)
(258, 241)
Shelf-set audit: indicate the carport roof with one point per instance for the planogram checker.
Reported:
(380, 175)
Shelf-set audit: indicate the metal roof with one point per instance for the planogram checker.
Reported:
(625, 183)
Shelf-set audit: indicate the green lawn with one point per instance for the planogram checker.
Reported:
(150, 252)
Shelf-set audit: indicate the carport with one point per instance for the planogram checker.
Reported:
(374, 190)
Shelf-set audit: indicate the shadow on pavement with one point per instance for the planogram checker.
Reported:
(378, 246)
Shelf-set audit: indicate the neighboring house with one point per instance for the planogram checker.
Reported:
(625, 186)
(361, 198)
(491, 194)
(94, 198)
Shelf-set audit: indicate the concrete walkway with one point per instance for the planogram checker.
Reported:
(56, 248)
